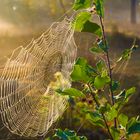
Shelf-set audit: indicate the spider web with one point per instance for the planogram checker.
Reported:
(28, 108)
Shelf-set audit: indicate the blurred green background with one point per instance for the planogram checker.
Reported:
(22, 20)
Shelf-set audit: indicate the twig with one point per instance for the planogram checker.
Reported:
(80, 126)
(109, 67)
(103, 116)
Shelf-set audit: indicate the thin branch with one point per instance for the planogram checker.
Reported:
(109, 67)
(103, 116)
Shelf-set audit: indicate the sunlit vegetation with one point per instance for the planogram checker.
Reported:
(103, 101)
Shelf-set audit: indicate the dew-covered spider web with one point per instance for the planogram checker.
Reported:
(28, 105)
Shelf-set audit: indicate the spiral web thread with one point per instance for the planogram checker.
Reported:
(28, 108)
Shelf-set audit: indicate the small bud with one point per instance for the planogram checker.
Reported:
(92, 9)
(84, 100)
(99, 91)
(90, 101)
(98, 40)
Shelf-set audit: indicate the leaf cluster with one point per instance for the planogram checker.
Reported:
(98, 79)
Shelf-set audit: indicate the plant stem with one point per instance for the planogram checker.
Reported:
(98, 105)
(109, 68)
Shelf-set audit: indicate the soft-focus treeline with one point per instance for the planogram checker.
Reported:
(41, 13)
(31, 12)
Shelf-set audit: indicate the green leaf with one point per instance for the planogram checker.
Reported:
(120, 95)
(134, 47)
(68, 135)
(92, 28)
(123, 119)
(115, 133)
(80, 20)
(115, 85)
(72, 92)
(81, 61)
(130, 123)
(125, 55)
(92, 71)
(130, 91)
(100, 82)
(134, 128)
(111, 114)
(95, 118)
(100, 66)
(104, 73)
(82, 23)
(105, 108)
(79, 74)
(95, 50)
(99, 7)
(61, 134)
(102, 46)
(81, 71)
(125, 94)
(69, 132)
(81, 4)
